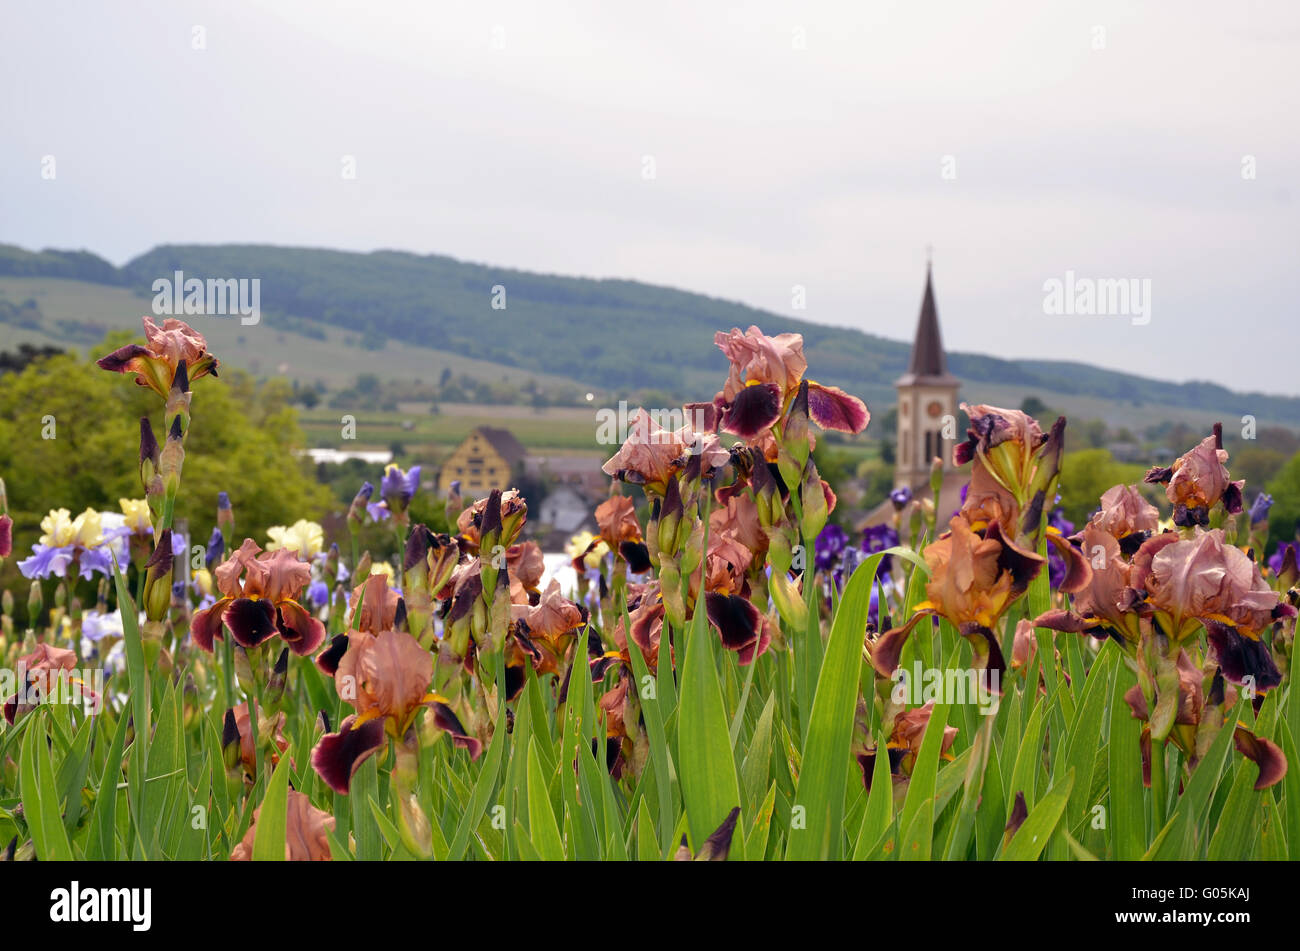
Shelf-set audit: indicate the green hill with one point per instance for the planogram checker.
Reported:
(615, 335)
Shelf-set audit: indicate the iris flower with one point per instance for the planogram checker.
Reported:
(763, 379)
(1203, 581)
(156, 363)
(650, 455)
(974, 579)
(42, 670)
(81, 543)
(304, 537)
(386, 678)
(1198, 480)
(398, 488)
(306, 832)
(829, 547)
(262, 604)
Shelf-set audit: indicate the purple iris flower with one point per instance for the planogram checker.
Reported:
(318, 593)
(216, 547)
(829, 547)
(878, 538)
(95, 625)
(1259, 508)
(1056, 567)
(901, 496)
(223, 501)
(1275, 560)
(378, 511)
(398, 487)
(47, 560)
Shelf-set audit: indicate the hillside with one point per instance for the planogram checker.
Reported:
(325, 312)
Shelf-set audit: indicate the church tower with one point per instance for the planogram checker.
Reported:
(927, 402)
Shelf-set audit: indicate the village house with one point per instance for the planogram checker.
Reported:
(488, 459)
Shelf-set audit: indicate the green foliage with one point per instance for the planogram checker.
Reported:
(1087, 473)
(242, 446)
(1284, 518)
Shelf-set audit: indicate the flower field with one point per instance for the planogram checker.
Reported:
(733, 676)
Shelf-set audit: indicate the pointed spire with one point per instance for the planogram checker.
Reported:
(929, 364)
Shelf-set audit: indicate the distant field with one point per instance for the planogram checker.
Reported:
(573, 430)
(77, 314)
(262, 349)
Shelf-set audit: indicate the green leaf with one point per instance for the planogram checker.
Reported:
(72, 775)
(1029, 759)
(1238, 825)
(1180, 837)
(476, 807)
(36, 778)
(710, 789)
(102, 844)
(392, 837)
(880, 805)
(1290, 789)
(1039, 825)
(754, 770)
(826, 758)
(652, 713)
(916, 820)
(647, 845)
(543, 831)
(271, 836)
(1127, 804)
(1085, 731)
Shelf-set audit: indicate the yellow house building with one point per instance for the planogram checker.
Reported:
(486, 460)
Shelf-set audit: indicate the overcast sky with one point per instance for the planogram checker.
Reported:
(815, 144)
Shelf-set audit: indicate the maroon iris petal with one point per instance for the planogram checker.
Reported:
(6, 536)
(251, 621)
(300, 631)
(1241, 657)
(739, 624)
(1059, 619)
(120, 360)
(328, 661)
(735, 617)
(832, 408)
(446, 719)
(636, 554)
(988, 655)
(516, 678)
(205, 626)
(338, 755)
(717, 846)
(1263, 753)
(753, 411)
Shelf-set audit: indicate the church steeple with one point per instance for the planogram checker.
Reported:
(929, 364)
(927, 400)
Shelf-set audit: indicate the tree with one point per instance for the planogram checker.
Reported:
(1087, 473)
(1034, 407)
(69, 438)
(1282, 518)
